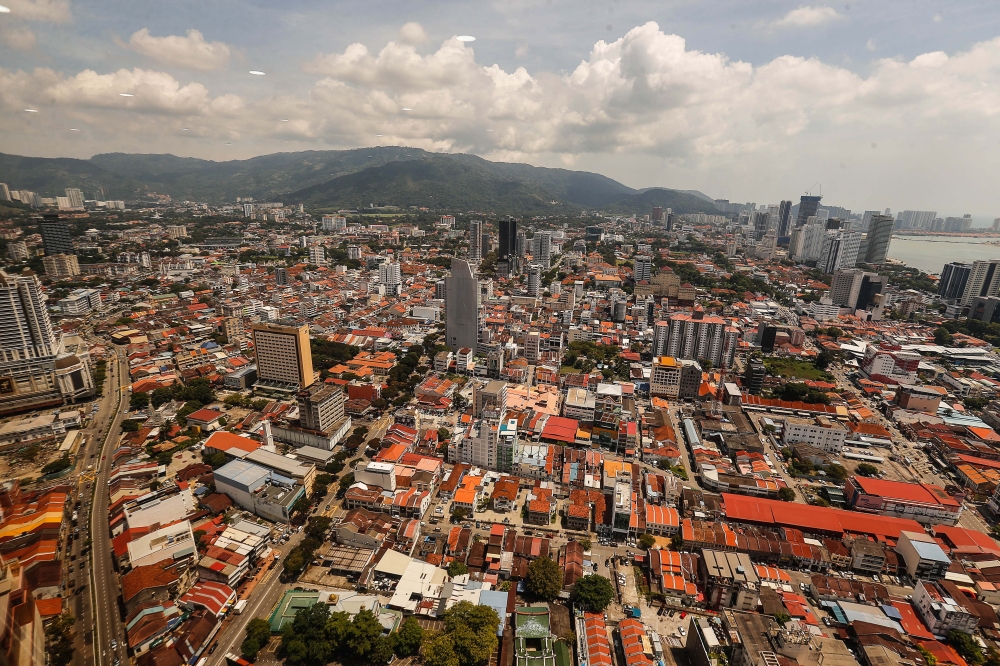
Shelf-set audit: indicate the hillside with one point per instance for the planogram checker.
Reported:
(346, 179)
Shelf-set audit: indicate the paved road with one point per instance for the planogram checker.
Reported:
(104, 588)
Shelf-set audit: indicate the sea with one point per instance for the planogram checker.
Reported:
(931, 253)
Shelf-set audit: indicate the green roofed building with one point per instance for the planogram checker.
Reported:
(347, 601)
(534, 644)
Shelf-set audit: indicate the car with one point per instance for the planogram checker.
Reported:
(683, 614)
(114, 644)
(682, 630)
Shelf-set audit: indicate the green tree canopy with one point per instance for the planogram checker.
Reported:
(647, 541)
(258, 636)
(593, 592)
(59, 637)
(473, 632)
(545, 579)
(786, 494)
(457, 568)
(439, 651)
(866, 469)
(406, 642)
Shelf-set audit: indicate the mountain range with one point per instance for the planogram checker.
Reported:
(337, 179)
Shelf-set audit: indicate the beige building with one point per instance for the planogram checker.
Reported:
(665, 379)
(61, 265)
(177, 231)
(284, 359)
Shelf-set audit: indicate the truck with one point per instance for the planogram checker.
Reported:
(633, 611)
(239, 606)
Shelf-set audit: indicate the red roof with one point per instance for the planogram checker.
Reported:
(223, 441)
(205, 415)
(814, 519)
(924, 493)
(560, 429)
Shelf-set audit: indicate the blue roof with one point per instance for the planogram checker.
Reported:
(930, 551)
(498, 602)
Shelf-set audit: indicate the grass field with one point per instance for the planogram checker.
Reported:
(795, 369)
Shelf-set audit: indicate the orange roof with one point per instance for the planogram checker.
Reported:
(223, 441)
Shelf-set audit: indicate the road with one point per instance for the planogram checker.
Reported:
(104, 584)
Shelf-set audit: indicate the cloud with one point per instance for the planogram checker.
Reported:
(807, 17)
(20, 38)
(56, 11)
(413, 33)
(191, 51)
(872, 44)
(644, 99)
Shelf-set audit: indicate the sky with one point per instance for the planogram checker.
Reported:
(873, 103)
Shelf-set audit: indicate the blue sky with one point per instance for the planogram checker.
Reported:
(886, 104)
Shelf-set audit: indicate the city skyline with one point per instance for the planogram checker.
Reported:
(882, 110)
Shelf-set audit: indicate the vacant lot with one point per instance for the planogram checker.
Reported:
(795, 369)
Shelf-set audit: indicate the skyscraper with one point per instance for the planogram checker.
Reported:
(784, 218)
(840, 250)
(984, 280)
(284, 358)
(475, 241)
(462, 306)
(55, 236)
(876, 243)
(534, 279)
(35, 370)
(758, 221)
(507, 252)
(544, 248)
(75, 196)
(954, 277)
(807, 208)
(696, 336)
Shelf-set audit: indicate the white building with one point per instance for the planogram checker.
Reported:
(820, 432)
(80, 301)
(940, 611)
(391, 276)
(380, 474)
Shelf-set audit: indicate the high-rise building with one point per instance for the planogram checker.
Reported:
(61, 265)
(55, 235)
(996, 220)
(642, 268)
(840, 250)
(758, 222)
(390, 275)
(544, 248)
(534, 280)
(177, 231)
(855, 288)
(281, 277)
(507, 251)
(475, 241)
(915, 219)
(321, 407)
(753, 377)
(984, 280)
(4, 192)
(75, 196)
(807, 208)
(806, 242)
(35, 369)
(784, 218)
(954, 277)
(657, 214)
(441, 290)
(284, 358)
(17, 250)
(696, 336)
(876, 242)
(462, 307)
(661, 334)
(317, 255)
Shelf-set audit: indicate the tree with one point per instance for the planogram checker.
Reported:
(59, 637)
(966, 646)
(866, 469)
(823, 360)
(444, 434)
(786, 494)
(676, 542)
(459, 514)
(943, 337)
(473, 632)
(318, 526)
(836, 471)
(585, 544)
(593, 593)
(782, 618)
(647, 541)
(457, 568)
(161, 396)
(406, 642)
(545, 579)
(258, 636)
(439, 651)
(364, 639)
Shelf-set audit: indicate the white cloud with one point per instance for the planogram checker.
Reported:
(807, 17)
(57, 11)
(643, 99)
(190, 51)
(18, 37)
(872, 44)
(413, 33)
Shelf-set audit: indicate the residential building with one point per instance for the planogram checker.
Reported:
(475, 242)
(695, 335)
(642, 268)
(890, 365)
(175, 231)
(321, 407)
(284, 358)
(80, 302)
(753, 377)
(389, 274)
(875, 246)
(35, 369)
(983, 280)
(579, 404)
(665, 378)
(61, 265)
(940, 610)
(839, 250)
(867, 556)
(18, 250)
(491, 400)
